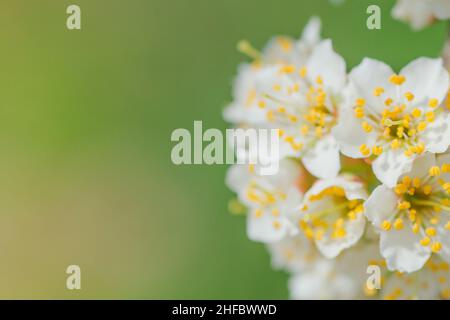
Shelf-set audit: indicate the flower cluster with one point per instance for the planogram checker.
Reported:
(364, 169)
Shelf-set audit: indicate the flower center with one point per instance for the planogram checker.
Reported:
(399, 126)
(423, 202)
(329, 211)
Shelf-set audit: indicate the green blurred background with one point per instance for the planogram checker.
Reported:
(85, 124)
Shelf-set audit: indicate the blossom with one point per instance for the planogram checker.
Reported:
(303, 103)
(270, 199)
(331, 214)
(293, 254)
(420, 13)
(280, 50)
(413, 217)
(393, 118)
(431, 282)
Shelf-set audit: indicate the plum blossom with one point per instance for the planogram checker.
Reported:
(413, 218)
(421, 13)
(331, 214)
(270, 199)
(391, 118)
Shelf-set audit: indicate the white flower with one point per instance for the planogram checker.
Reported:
(321, 282)
(431, 282)
(303, 103)
(270, 199)
(394, 118)
(293, 254)
(342, 278)
(280, 50)
(413, 218)
(420, 13)
(332, 214)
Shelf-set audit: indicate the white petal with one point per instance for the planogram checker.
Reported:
(426, 78)
(381, 205)
(367, 76)
(436, 137)
(327, 64)
(390, 165)
(443, 236)
(262, 228)
(331, 248)
(350, 135)
(323, 160)
(311, 32)
(402, 250)
(237, 177)
(422, 165)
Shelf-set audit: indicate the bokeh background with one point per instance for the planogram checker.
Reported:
(85, 124)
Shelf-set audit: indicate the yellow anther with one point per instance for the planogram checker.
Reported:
(430, 116)
(359, 112)
(258, 213)
(276, 87)
(398, 224)
(400, 188)
(433, 103)
(276, 224)
(365, 151)
(447, 225)
(293, 118)
(416, 182)
(406, 180)
(409, 96)
(377, 150)
(421, 126)
(386, 225)
(387, 132)
(319, 234)
(275, 212)
(262, 104)
(397, 79)
(303, 72)
(416, 228)
(412, 215)
(366, 127)
(281, 109)
(425, 241)
(436, 247)
(427, 189)
(430, 231)
(360, 102)
(339, 233)
(287, 69)
(404, 205)
(445, 168)
(400, 131)
(319, 80)
(280, 132)
(378, 91)
(319, 132)
(395, 144)
(416, 113)
(388, 101)
(270, 116)
(434, 221)
(434, 171)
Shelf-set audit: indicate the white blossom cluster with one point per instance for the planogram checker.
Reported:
(364, 177)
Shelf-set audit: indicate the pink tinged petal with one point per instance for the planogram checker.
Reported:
(323, 160)
(402, 250)
(332, 247)
(381, 205)
(350, 135)
(367, 76)
(263, 229)
(427, 79)
(437, 135)
(327, 64)
(390, 165)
